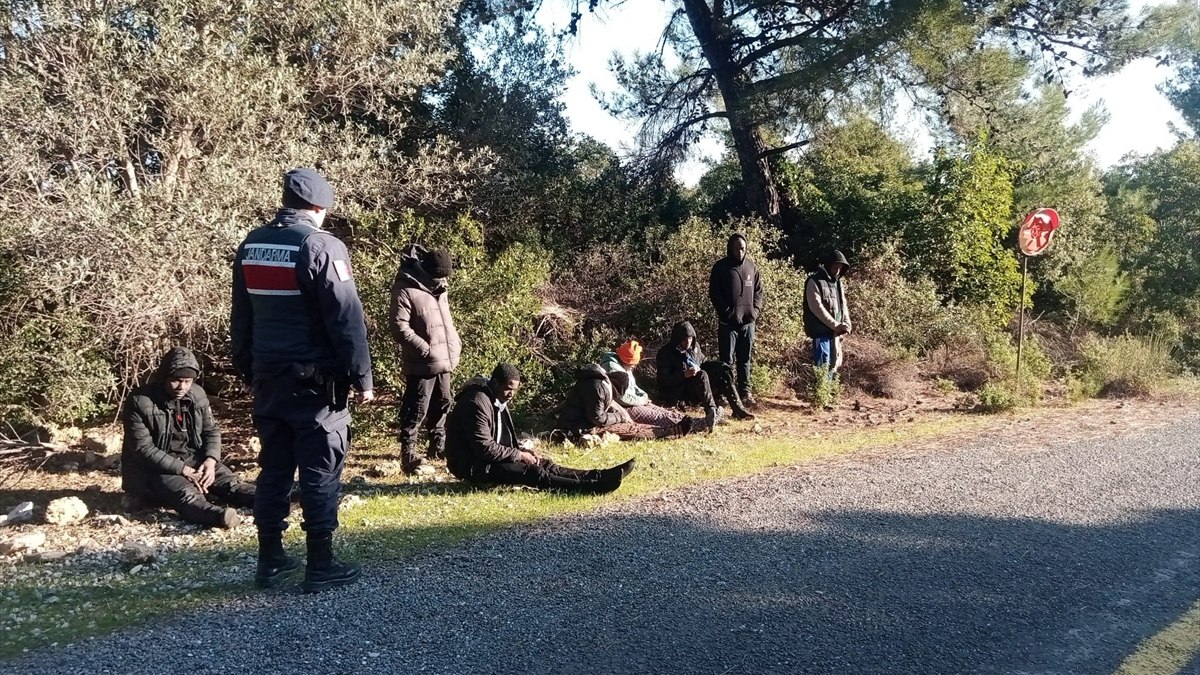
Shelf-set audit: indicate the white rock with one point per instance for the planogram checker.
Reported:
(24, 542)
(101, 442)
(21, 513)
(66, 511)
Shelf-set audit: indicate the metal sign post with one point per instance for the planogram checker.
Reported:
(1033, 239)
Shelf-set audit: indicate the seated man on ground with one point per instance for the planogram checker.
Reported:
(619, 366)
(591, 408)
(482, 445)
(172, 448)
(685, 377)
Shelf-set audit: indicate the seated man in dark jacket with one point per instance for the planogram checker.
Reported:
(482, 446)
(591, 408)
(172, 449)
(684, 376)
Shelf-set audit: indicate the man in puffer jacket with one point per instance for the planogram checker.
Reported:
(619, 367)
(420, 321)
(171, 453)
(685, 377)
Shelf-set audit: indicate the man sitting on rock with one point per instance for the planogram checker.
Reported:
(482, 445)
(172, 449)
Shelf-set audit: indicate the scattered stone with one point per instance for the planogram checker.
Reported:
(23, 542)
(136, 553)
(349, 501)
(21, 513)
(66, 511)
(108, 462)
(358, 482)
(135, 569)
(385, 469)
(50, 556)
(93, 489)
(70, 467)
(112, 518)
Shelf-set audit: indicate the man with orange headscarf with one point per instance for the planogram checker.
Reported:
(619, 367)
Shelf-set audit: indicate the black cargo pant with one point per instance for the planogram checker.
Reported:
(736, 344)
(545, 476)
(298, 430)
(181, 495)
(708, 387)
(426, 401)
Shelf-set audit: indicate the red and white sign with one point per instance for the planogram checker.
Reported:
(1037, 231)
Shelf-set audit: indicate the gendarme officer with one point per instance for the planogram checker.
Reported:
(299, 337)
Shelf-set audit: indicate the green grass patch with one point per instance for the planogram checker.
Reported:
(397, 519)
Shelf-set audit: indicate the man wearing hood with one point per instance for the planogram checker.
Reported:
(591, 407)
(420, 322)
(735, 288)
(684, 376)
(826, 314)
(171, 453)
(298, 337)
(482, 445)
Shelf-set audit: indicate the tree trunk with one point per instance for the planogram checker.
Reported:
(709, 28)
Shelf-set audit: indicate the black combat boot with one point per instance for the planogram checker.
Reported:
(437, 446)
(324, 571)
(739, 410)
(412, 463)
(274, 565)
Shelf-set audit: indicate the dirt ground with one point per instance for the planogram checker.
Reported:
(71, 470)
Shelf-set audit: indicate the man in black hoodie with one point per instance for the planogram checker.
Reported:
(482, 445)
(735, 288)
(171, 453)
(684, 376)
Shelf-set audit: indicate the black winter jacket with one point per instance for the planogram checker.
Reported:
(471, 438)
(146, 450)
(735, 289)
(590, 402)
(672, 363)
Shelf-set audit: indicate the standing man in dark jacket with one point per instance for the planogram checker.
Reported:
(299, 337)
(172, 448)
(420, 322)
(482, 445)
(735, 288)
(684, 376)
(826, 314)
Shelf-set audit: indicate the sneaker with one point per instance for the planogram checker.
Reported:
(743, 414)
(272, 574)
(337, 574)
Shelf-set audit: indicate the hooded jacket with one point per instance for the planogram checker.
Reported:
(590, 402)
(477, 432)
(672, 362)
(146, 449)
(420, 319)
(735, 289)
(625, 387)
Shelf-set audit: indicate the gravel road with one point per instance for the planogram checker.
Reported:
(991, 558)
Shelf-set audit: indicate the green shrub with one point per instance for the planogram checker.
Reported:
(945, 386)
(824, 391)
(53, 366)
(997, 397)
(1125, 366)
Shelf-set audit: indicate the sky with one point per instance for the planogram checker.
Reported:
(1140, 118)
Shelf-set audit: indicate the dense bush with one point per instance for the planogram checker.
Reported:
(1124, 366)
